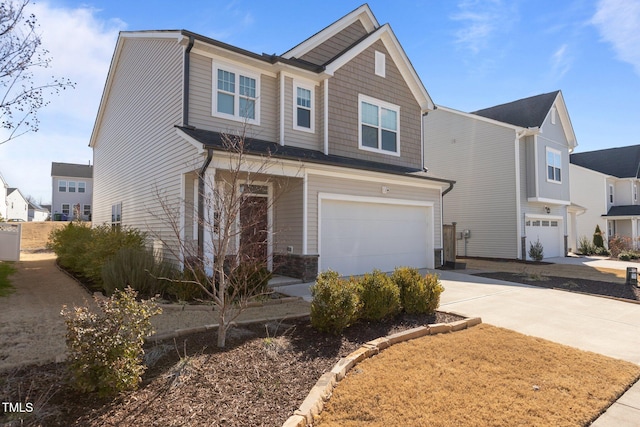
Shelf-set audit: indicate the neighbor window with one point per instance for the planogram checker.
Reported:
(236, 94)
(86, 210)
(303, 107)
(554, 165)
(610, 194)
(379, 126)
(116, 215)
(62, 186)
(66, 209)
(72, 187)
(81, 187)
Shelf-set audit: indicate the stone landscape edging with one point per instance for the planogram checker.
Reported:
(323, 389)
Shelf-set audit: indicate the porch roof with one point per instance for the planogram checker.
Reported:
(210, 139)
(628, 210)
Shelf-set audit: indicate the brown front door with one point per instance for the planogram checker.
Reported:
(254, 229)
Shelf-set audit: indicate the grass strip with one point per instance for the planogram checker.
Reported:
(6, 270)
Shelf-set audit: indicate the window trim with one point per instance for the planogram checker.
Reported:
(294, 95)
(380, 64)
(380, 104)
(559, 167)
(238, 71)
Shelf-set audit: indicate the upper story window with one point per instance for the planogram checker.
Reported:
(236, 94)
(611, 194)
(62, 186)
(82, 187)
(379, 126)
(72, 187)
(554, 165)
(303, 107)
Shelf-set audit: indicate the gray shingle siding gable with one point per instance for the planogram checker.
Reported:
(336, 44)
(358, 77)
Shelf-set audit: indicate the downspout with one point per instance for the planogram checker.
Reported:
(201, 183)
(185, 78)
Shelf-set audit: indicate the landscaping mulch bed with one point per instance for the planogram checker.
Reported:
(594, 287)
(260, 379)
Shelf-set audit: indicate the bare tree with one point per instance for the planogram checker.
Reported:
(20, 53)
(228, 259)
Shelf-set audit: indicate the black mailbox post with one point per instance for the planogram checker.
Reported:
(632, 276)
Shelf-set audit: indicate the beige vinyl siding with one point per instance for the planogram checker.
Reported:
(480, 157)
(137, 153)
(298, 138)
(336, 44)
(288, 215)
(358, 77)
(200, 102)
(367, 186)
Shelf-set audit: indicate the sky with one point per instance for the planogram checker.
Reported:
(469, 54)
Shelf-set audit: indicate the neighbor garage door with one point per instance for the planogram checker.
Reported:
(356, 237)
(550, 234)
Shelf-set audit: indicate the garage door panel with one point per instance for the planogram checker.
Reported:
(357, 237)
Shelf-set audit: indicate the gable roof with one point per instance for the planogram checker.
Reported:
(621, 162)
(531, 112)
(527, 112)
(71, 169)
(12, 190)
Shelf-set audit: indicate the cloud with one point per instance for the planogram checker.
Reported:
(481, 22)
(561, 61)
(81, 46)
(618, 22)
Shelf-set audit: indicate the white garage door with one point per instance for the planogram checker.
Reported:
(356, 237)
(549, 232)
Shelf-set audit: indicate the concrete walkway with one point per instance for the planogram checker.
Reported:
(596, 324)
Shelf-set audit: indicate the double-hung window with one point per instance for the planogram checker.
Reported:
(116, 215)
(72, 186)
(66, 209)
(554, 165)
(236, 94)
(379, 126)
(62, 186)
(82, 187)
(303, 103)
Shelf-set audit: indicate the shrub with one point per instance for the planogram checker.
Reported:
(536, 251)
(624, 256)
(418, 295)
(335, 304)
(84, 251)
(598, 241)
(618, 244)
(585, 246)
(249, 279)
(602, 251)
(380, 296)
(139, 269)
(105, 348)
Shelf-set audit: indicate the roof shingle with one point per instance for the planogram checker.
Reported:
(528, 112)
(621, 162)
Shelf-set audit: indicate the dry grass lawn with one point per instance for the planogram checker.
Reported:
(483, 376)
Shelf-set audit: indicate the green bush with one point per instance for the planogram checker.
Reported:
(598, 241)
(536, 251)
(585, 246)
(335, 304)
(602, 252)
(248, 279)
(139, 269)
(84, 250)
(418, 295)
(380, 296)
(105, 348)
(624, 256)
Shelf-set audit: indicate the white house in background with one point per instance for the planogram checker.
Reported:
(37, 213)
(606, 183)
(71, 191)
(511, 167)
(4, 187)
(17, 205)
(339, 115)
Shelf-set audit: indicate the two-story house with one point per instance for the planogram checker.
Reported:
(606, 182)
(339, 116)
(511, 165)
(71, 191)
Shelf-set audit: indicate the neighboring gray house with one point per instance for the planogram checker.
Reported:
(71, 191)
(17, 206)
(606, 183)
(511, 165)
(340, 114)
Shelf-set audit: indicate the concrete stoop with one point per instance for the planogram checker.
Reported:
(323, 389)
